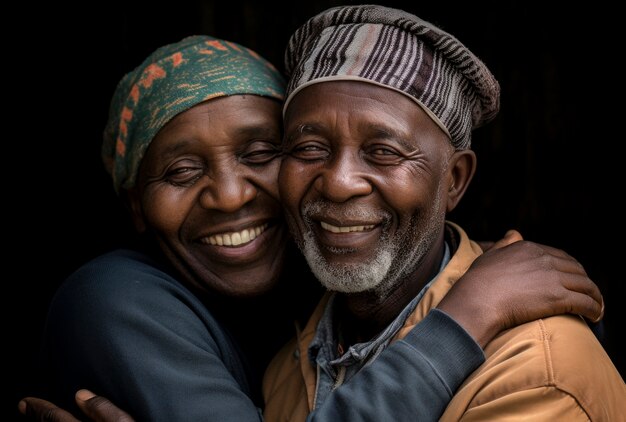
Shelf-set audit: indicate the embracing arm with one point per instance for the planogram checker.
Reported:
(516, 282)
(512, 283)
(520, 281)
(129, 332)
(410, 365)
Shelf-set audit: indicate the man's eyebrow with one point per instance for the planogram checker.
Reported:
(302, 129)
(383, 132)
(374, 131)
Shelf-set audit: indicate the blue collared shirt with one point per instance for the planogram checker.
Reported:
(334, 370)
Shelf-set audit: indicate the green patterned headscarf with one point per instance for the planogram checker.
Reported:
(171, 80)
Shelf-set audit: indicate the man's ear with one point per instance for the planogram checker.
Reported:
(132, 199)
(461, 169)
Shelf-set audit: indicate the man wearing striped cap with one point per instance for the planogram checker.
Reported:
(378, 120)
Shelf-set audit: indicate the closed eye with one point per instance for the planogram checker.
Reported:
(383, 155)
(309, 151)
(260, 152)
(183, 175)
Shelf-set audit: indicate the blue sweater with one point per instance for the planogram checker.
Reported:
(125, 328)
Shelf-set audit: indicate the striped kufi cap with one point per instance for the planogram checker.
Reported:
(400, 51)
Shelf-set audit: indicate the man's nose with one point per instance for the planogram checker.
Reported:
(344, 177)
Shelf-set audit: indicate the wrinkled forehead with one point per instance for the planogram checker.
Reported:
(377, 94)
(360, 111)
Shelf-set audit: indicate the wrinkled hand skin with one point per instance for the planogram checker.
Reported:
(516, 281)
(96, 408)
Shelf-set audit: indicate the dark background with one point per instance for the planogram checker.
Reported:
(550, 165)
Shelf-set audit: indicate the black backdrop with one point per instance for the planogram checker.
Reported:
(549, 165)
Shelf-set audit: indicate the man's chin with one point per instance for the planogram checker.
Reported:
(346, 278)
(345, 271)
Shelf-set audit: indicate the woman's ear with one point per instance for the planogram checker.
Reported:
(461, 168)
(132, 199)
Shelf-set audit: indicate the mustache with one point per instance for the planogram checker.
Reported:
(321, 208)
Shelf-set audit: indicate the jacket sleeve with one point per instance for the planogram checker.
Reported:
(413, 379)
(140, 340)
(547, 403)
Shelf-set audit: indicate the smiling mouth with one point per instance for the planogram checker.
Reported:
(345, 229)
(235, 238)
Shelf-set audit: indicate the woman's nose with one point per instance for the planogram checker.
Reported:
(229, 191)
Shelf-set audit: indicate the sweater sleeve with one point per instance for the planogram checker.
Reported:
(130, 333)
(413, 379)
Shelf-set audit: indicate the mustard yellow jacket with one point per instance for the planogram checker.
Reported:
(552, 369)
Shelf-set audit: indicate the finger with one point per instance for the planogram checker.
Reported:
(44, 411)
(578, 281)
(99, 408)
(564, 264)
(557, 258)
(485, 245)
(586, 299)
(585, 306)
(561, 254)
(510, 236)
(601, 315)
(575, 278)
(567, 264)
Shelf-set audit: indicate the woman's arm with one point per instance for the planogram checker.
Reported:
(128, 331)
(415, 378)
(512, 283)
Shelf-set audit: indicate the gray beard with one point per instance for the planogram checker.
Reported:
(392, 262)
(348, 278)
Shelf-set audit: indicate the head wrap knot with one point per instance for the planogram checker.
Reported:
(400, 51)
(171, 80)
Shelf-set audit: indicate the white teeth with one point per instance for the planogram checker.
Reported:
(235, 238)
(345, 229)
